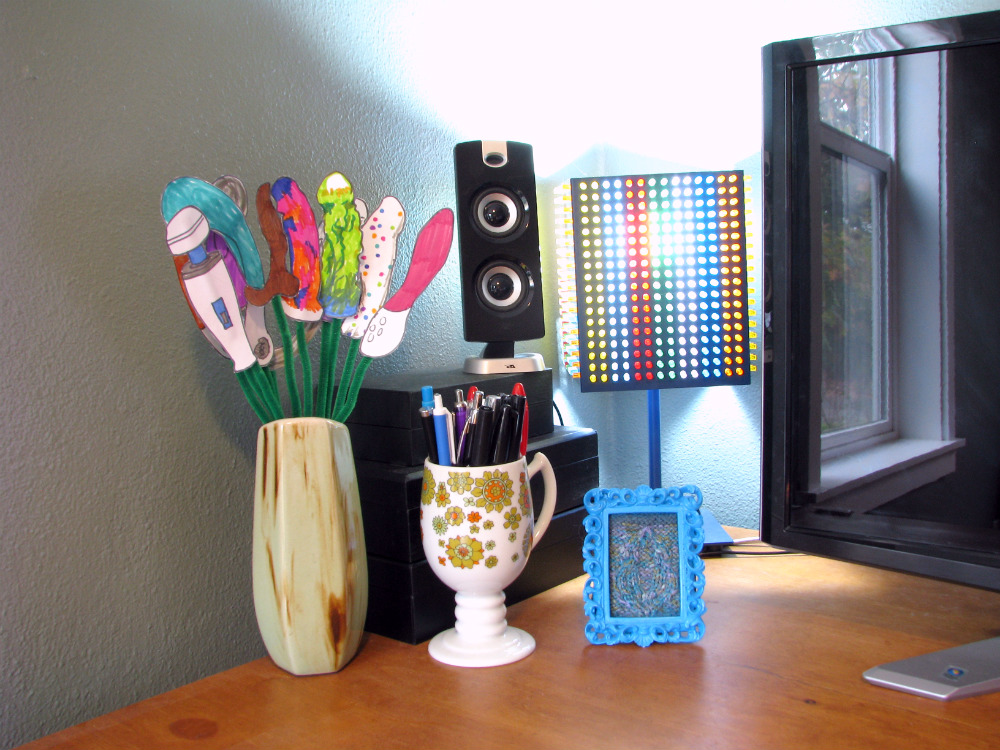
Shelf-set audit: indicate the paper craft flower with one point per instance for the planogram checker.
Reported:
(342, 275)
(340, 291)
(299, 226)
(378, 256)
(385, 331)
(215, 258)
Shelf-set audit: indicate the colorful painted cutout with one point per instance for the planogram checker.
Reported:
(223, 216)
(279, 279)
(263, 348)
(385, 332)
(253, 315)
(258, 335)
(222, 277)
(378, 255)
(208, 286)
(340, 289)
(253, 318)
(304, 249)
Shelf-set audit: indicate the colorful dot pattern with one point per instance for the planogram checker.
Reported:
(379, 235)
(377, 225)
(661, 281)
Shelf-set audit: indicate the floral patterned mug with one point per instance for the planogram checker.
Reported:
(478, 528)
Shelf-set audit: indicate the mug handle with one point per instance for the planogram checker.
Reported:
(541, 463)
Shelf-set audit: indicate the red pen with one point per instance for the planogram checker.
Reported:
(518, 390)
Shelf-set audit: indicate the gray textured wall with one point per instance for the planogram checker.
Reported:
(127, 449)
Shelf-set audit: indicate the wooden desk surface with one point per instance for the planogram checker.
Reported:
(787, 638)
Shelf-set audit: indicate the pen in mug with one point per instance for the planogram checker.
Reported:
(427, 421)
(518, 390)
(475, 399)
(502, 430)
(519, 403)
(480, 450)
(444, 433)
(461, 411)
(464, 450)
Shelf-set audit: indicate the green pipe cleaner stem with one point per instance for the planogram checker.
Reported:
(268, 387)
(251, 396)
(272, 378)
(346, 375)
(307, 378)
(331, 388)
(286, 343)
(321, 386)
(260, 389)
(355, 386)
(328, 354)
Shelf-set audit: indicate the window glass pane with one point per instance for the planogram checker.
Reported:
(846, 100)
(855, 360)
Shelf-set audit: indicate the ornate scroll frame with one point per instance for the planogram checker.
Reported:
(641, 556)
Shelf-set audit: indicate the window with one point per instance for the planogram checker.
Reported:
(855, 180)
(881, 382)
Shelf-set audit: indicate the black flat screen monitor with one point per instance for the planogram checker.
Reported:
(882, 297)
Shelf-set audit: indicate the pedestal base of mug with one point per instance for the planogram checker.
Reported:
(481, 636)
(451, 648)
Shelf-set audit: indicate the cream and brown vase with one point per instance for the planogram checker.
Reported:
(310, 572)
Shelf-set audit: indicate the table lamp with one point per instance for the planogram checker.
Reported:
(653, 285)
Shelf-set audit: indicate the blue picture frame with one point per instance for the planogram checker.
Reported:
(645, 576)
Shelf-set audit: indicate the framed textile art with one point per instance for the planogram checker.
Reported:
(644, 573)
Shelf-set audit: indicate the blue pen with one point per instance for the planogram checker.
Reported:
(444, 433)
(427, 397)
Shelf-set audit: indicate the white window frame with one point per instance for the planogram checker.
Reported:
(853, 438)
(920, 445)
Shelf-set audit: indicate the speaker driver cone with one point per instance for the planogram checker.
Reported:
(498, 213)
(502, 285)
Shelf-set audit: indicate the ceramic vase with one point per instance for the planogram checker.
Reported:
(477, 526)
(310, 572)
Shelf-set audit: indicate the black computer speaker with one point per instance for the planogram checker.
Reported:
(499, 255)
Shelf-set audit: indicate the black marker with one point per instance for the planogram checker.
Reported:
(519, 403)
(427, 420)
(500, 444)
(480, 454)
